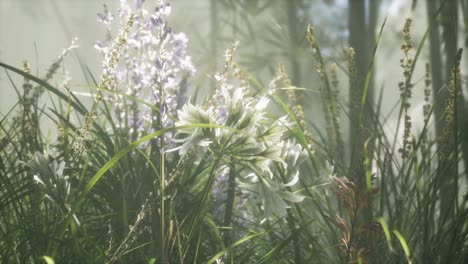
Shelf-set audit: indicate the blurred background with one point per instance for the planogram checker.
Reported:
(269, 32)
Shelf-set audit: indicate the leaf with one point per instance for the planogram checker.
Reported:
(293, 181)
(235, 244)
(404, 245)
(292, 197)
(48, 260)
(386, 232)
(49, 87)
(272, 202)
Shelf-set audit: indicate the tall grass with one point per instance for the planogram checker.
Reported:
(144, 175)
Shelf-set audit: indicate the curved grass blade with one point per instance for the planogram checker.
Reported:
(235, 244)
(369, 71)
(49, 87)
(388, 236)
(404, 245)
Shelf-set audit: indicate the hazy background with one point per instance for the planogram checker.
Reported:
(38, 30)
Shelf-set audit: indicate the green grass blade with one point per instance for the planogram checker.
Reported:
(403, 244)
(388, 236)
(45, 85)
(235, 244)
(369, 72)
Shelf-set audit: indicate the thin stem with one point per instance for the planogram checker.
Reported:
(161, 189)
(228, 221)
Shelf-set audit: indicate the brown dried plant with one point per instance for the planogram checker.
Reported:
(358, 232)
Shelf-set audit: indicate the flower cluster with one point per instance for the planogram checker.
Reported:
(108, 75)
(154, 65)
(148, 86)
(406, 87)
(237, 128)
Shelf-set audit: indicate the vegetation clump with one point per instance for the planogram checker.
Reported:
(154, 171)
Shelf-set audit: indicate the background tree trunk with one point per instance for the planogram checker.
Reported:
(441, 74)
(294, 41)
(360, 39)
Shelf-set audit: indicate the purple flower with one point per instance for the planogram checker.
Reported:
(102, 46)
(106, 17)
(139, 3)
(163, 10)
(155, 67)
(180, 57)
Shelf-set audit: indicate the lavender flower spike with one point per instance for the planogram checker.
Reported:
(154, 68)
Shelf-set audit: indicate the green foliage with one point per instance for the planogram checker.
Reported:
(239, 178)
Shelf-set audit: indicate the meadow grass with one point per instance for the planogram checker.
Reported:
(145, 175)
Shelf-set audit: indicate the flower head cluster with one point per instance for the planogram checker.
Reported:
(274, 194)
(154, 64)
(236, 127)
(406, 87)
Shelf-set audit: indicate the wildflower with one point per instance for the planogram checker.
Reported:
(249, 139)
(406, 87)
(155, 63)
(106, 17)
(108, 80)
